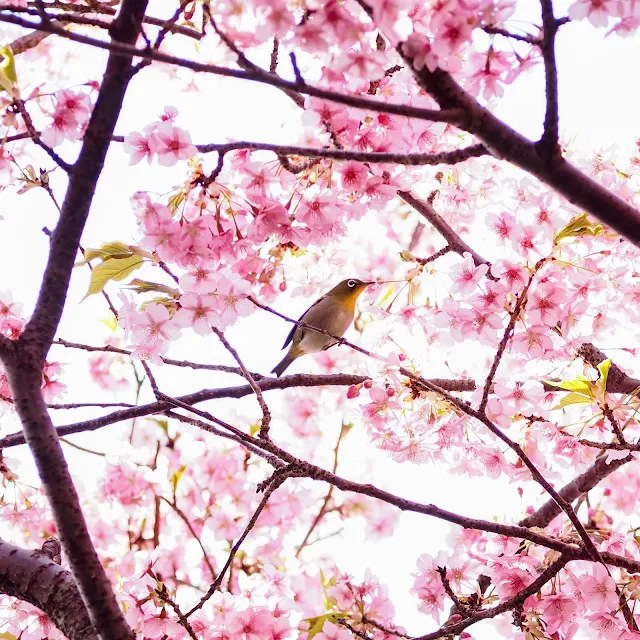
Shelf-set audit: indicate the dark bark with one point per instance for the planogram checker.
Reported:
(32, 576)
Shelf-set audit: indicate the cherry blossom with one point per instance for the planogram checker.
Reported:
(479, 351)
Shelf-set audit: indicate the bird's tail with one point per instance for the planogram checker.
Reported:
(283, 364)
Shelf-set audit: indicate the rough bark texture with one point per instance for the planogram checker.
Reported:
(34, 577)
(24, 359)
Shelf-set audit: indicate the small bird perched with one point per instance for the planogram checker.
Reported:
(333, 312)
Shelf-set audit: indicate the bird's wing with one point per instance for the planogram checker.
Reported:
(295, 326)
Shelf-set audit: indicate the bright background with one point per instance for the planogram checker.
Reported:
(598, 109)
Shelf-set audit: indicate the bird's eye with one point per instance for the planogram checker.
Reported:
(351, 284)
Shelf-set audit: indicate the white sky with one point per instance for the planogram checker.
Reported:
(598, 101)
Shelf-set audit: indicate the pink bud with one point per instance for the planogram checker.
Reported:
(402, 357)
(368, 384)
(283, 286)
(390, 393)
(353, 391)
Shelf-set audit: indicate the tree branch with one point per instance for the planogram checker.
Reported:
(617, 380)
(327, 498)
(574, 489)
(493, 30)
(507, 144)
(24, 366)
(452, 630)
(454, 241)
(168, 361)
(266, 414)
(454, 116)
(549, 142)
(70, 11)
(31, 575)
(39, 331)
(35, 136)
(269, 487)
(408, 159)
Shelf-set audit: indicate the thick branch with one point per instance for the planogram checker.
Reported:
(39, 332)
(549, 141)
(24, 368)
(574, 489)
(32, 576)
(617, 380)
(505, 143)
(70, 11)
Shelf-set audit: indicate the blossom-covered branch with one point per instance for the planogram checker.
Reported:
(410, 159)
(454, 116)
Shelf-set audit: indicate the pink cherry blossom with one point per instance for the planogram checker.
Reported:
(154, 325)
(599, 589)
(466, 275)
(250, 624)
(198, 312)
(171, 144)
(331, 631)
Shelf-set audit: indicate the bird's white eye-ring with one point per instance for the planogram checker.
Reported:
(351, 284)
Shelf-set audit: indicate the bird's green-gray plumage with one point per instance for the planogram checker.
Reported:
(333, 313)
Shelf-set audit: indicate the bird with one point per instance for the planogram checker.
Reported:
(333, 312)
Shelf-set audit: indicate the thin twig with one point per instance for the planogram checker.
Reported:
(426, 210)
(35, 136)
(193, 532)
(493, 30)
(272, 484)
(266, 414)
(521, 301)
(163, 594)
(455, 629)
(454, 116)
(167, 361)
(273, 62)
(325, 503)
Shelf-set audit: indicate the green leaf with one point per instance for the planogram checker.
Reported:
(579, 226)
(112, 269)
(8, 76)
(254, 428)
(107, 250)
(163, 424)
(145, 286)
(175, 477)
(580, 385)
(316, 624)
(601, 384)
(176, 200)
(573, 398)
